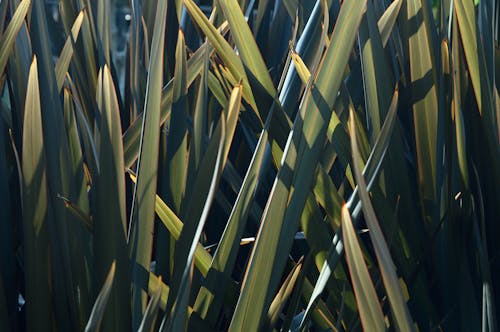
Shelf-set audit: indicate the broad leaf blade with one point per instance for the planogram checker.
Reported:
(425, 104)
(109, 225)
(35, 208)
(145, 188)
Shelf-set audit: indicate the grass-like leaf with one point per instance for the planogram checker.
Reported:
(387, 270)
(110, 223)
(94, 322)
(35, 207)
(369, 308)
(145, 188)
(9, 36)
(425, 104)
(64, 60)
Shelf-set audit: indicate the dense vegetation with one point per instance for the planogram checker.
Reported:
(255, 165)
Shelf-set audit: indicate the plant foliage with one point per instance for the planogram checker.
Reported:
(250, 165)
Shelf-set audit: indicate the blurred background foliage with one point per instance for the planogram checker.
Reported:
(249, 165)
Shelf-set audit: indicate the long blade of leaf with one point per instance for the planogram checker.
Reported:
(306, 140)
(177, 149)
(132, 137)
(210, 296)
(174, 226)
(245, 42)
(371, 170)
(425, 104)
(388, 19)
(149, 320)
(466, 16)
(35, 206)
(386, 264)
(369, 308)
(283, 294)
(145, 188)
(9, 36)
(177, 320)
(223, 49)
(109, 224)
(94, 322)
(64, 60)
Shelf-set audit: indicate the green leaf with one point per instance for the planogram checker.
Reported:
(425, 104)
(142, 215)
(64, 60)
(9, 36)
(132, 137)
(301, 67)
(458, 114)
(76, 153)
(110, 223)
(377, 77)
(245, 42)
(177, 143)
(371, 170)
(223, 49)
(369, 308)
(96, 317)
(149, 320)
(200, 116)
(35, 209)
(59, 181)
(232, 115)
(178, 316)
(283, 208)
(155, 283)
(80, 215)
(283, 294)
(104, 31)
(466, 16)
(210, 298)
(386, 264)
(387, 21)
(174, 226)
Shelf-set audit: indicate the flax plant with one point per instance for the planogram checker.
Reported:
(249, 165)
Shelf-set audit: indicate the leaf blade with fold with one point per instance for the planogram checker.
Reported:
(386, 264)
(369, 308)
(387, 21)
(302, 152)
(35, 210)
(64, 60)
(223, 49)
(94, 322)
(145, 188)
(245, 42)
(9, 36)
(109, 224)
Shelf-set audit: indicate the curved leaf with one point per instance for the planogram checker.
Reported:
(9, 36)
(94, 323)
(369, 308)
